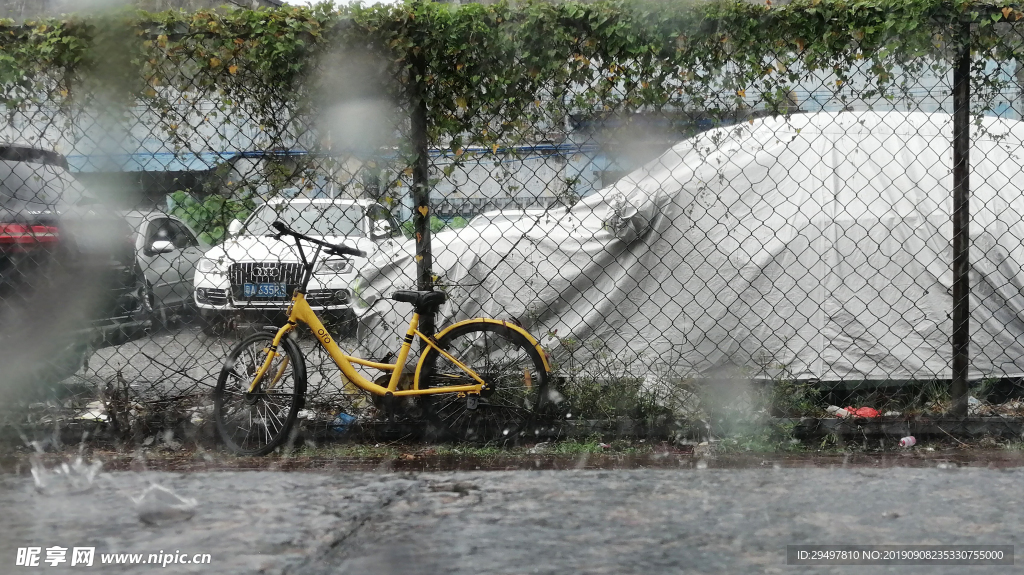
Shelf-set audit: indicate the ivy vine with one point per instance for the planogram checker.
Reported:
(496, 74)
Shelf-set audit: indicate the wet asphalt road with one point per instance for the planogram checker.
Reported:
(182, 361)
(611, 521)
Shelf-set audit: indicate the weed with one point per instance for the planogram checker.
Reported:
(609, 388)
(830, 441)
(469, 450)
(361, 450)
(576, 447)
(788, 397)
(772, 437)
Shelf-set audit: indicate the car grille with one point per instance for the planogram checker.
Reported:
(216, 297)
(263, 272)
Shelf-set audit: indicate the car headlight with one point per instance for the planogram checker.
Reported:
(206, 266)
(334, 266)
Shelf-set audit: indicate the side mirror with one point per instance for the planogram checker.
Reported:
(161, 247)
(234, 227)
(381, 230)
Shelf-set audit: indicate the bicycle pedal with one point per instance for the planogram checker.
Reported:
(472, 401)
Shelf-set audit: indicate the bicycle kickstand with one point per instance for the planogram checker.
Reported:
(390, 408)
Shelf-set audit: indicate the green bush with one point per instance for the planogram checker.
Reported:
(210, 218)
(436, 225)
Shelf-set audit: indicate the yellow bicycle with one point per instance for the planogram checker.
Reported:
(481, 379)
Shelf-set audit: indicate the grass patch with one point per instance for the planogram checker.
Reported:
(769, 438)
(468, 450)
(569, 447)
(594, 444)
(361, 450)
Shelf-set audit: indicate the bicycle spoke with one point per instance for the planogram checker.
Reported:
(513, 375)
(272, 417)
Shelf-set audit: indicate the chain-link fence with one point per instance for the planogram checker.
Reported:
(704, 215)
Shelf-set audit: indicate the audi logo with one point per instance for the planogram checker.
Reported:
(265, 270)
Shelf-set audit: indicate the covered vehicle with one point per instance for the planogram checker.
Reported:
(522, 220)
(820, 243)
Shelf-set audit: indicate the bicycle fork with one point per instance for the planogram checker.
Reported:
(262, 371)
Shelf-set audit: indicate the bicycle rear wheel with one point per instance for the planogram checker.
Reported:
(257, 422)
(516, 384)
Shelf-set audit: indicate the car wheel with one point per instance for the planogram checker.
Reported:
(157, 316)
(143, 294)
(188, 314)
(214, 323)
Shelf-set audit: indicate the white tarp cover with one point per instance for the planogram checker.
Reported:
(820, 243)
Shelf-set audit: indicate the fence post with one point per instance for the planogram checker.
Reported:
(421, 189)
(961, 222)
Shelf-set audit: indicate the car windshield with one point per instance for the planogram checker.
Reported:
(39, 183)
(308, 218)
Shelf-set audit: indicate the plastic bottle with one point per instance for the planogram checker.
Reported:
(908, 441)
(837, 411)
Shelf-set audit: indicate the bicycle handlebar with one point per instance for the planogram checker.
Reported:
(332, 249)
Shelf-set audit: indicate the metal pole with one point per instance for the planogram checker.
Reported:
(421, 190)
(961, 221)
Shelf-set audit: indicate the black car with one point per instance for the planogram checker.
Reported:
(68, 276)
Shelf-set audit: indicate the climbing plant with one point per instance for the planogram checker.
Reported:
(491, 76)
(481, 68)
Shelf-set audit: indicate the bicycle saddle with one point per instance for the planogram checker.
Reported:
(420, 299)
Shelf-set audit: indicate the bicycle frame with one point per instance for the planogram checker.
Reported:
(301, 312)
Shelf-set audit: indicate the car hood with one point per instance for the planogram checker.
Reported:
(266, 248)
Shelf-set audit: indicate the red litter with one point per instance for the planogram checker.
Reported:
(863, 412)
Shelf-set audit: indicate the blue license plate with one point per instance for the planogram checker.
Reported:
(265, 290)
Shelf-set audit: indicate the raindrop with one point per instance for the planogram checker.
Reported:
(158, 505)
(79, 477)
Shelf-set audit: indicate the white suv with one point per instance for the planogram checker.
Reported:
(253, 271)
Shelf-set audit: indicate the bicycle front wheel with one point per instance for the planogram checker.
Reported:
(257, 422)
(513, 371)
